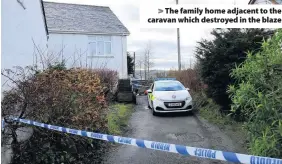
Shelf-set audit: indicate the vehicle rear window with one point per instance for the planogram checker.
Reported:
(169, 86)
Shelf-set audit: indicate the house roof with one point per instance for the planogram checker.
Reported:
(251, 1)
(86, 19)
(44, 18)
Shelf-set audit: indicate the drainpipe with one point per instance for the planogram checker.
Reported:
(123, 66)
(122, 56)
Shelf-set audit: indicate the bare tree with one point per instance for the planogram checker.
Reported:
(139, 64)
(161, 74)
(148, 63)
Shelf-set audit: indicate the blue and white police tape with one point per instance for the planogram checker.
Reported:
(179, 149)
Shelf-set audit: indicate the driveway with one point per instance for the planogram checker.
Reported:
(175, 129)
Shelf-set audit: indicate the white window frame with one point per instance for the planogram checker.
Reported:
(105, 47)
(93, 39)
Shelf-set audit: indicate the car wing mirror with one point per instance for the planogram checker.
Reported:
(148, 91)
(188, 89)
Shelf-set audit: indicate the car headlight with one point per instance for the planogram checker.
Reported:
(187, 98)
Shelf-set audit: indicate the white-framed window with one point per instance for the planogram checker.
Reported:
(100, 45)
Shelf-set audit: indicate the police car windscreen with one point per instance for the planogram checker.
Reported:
(169, 86)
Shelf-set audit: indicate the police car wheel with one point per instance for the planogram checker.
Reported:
(191, 112)
(153, 111)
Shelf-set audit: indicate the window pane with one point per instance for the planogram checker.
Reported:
(92, 48)
(169, 86)
(100, 48)
(107, 38)
(108, 48)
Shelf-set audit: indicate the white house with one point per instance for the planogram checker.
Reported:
(24, 39)
(24, 33)
(87, 36)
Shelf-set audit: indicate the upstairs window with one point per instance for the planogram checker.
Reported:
(100, 45)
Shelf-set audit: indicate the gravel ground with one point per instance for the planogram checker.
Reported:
(184, 130)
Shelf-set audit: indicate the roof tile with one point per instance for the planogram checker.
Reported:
(78, 18)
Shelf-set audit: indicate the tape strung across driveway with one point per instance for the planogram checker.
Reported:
(179, 149)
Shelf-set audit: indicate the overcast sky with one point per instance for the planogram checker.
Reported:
(163, 41)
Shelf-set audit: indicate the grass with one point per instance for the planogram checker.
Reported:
(118, 118)
(211, 113)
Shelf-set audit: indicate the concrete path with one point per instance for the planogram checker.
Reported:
(176, 129)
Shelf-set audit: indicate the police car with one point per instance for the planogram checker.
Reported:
(169, 95)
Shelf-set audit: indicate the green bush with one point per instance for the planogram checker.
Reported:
(258, 97)
(217, 57)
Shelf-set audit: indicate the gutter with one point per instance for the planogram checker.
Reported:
(86, 33)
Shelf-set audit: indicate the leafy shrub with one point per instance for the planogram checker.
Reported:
(217, 57)
(258, 98)
(71, 98)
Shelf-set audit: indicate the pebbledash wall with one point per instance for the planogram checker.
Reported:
(22, 24)
(76, 50)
